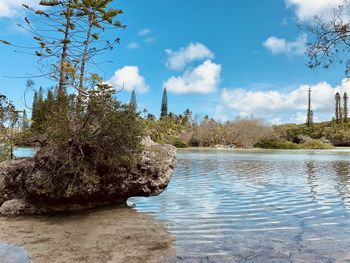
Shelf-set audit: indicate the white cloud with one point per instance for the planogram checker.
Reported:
(144, 32)
(202, 79)
(130, 78)
(178, 60)
(280, 45)
(277, 107)
(11, 8)
(307, 9)
(134, 45)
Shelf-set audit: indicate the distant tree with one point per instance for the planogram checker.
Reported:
(9, 120)
(309, 121)
(151, 117)
(341, 110)
(39, 111)
(164, 106)
(145, 111)
(337, 108)
(35, 107)
(25, 121)
(345, 107)
(50, 101)
(133, 101)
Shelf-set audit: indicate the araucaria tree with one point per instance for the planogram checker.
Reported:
(309, 121)
(68, 33)
(164, 106)
(133, 101)
(345, 107)
(338, 117)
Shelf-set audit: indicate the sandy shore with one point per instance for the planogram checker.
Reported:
(107, 235)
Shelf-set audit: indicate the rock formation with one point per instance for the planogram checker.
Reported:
(28, 187)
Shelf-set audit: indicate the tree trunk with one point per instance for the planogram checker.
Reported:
(62, 80)
(84, 58)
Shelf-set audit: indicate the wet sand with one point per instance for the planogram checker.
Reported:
(106, 235)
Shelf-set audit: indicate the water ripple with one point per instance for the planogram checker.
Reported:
(255, 206)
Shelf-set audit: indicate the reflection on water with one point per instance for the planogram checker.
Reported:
(105, 235)
(255, 206)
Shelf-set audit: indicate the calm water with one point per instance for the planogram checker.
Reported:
(257, 206)
(221, 206)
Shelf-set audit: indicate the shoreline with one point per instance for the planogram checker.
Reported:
(262, 149)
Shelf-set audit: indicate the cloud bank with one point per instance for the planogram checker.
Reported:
(130, 78)
(276, 106)
(307, 9)
(202, 79)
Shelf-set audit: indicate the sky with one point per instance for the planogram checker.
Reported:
(222, 58)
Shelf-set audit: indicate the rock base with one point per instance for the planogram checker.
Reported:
(27, 187)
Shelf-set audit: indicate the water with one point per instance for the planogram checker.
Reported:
(221, 206)
(24, 151)
(257, 206)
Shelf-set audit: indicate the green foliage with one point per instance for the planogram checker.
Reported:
(287, 145)
(9, 122)
(41, 108)
(276, 144)
(5, 152)
(94, 136)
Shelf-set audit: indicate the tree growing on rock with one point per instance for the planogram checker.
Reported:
(89, 134)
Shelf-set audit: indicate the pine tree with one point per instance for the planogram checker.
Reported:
(99, 17)
(164, 107)
(309, 111)
(337, 108)
(345, 107)
(133, 102)
(25, 123)
(35, 107)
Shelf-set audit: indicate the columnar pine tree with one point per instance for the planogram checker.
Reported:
(164, 107)
(345, 107)
(35, 107)
(341, 114)
(309, 111)
(25, 122)
(133, 101)
(337, 108)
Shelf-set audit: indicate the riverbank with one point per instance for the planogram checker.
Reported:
(115, 234)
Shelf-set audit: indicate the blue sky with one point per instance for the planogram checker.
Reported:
(223, 58)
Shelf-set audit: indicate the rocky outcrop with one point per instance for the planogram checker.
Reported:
(28, 186)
